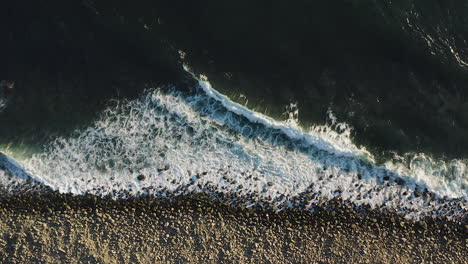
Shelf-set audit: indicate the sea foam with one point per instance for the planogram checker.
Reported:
(166, 139)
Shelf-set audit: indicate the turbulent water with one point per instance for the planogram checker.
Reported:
(364, 101)
(167, 139)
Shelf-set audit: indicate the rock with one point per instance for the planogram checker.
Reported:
(141, 177)
(164, 169)
(399, 181)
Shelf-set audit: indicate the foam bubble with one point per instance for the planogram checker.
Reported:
(3, 104)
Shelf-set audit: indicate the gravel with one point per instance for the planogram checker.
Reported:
(55, 228)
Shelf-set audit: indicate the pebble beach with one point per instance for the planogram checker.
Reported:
(48, 227)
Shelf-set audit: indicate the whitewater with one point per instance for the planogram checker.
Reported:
(204, 141)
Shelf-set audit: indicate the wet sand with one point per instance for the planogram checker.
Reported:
(53, 228)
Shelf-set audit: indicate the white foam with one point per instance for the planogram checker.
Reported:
(9, 168)
(3, 104)
(446, 178)
(172, 139)
(291, 129)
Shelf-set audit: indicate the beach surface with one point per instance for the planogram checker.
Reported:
(56, 228)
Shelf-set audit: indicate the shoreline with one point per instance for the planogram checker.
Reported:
(196, 228)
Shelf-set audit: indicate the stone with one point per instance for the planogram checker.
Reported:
(141, 177)
(399, 181)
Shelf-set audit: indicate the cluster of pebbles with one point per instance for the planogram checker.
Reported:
(48, 227)
(247, 191)
(414, 204)
(201, 222)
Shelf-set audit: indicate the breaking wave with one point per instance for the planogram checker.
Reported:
(167, 139)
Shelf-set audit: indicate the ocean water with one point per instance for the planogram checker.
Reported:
(364, 101)
(166, 139)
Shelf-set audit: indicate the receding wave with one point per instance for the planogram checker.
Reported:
(205, 142)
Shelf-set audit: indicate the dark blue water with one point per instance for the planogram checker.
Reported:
(394, 71)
